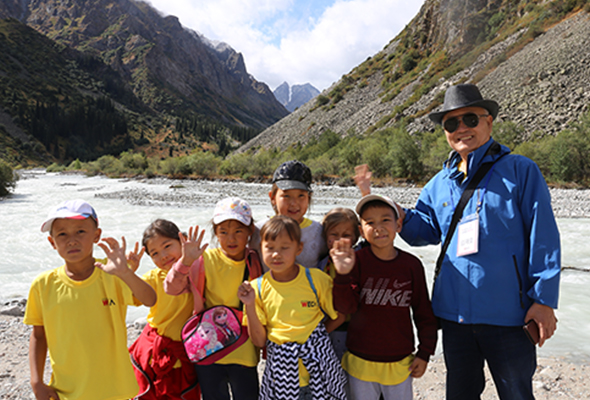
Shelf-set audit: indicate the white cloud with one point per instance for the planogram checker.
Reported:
(318, 49)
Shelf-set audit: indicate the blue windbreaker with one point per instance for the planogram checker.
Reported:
(519, 257)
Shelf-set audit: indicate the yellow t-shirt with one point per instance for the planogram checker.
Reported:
(289, 310)
(84, 324)
(385, 373)
(170, 313)
(223, 276)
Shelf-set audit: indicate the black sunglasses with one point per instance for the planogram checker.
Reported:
(470, 120)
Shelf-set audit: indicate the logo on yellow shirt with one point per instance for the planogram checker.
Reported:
(108, 302)
(309, 304)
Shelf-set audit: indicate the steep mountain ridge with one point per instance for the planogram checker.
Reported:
(169, 67)
(537, 74)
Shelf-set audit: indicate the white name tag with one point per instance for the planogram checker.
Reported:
(468, 235)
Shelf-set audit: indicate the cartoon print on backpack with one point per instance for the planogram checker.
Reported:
(227, 333)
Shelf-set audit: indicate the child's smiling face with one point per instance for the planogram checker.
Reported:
(291, 203)
(164, 251)
(379, 226)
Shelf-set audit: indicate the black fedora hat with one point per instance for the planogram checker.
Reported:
(464, 95)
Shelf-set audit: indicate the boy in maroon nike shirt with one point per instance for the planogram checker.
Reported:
(379, 285)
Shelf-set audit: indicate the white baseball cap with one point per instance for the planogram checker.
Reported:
(376, 197)
(71, 209)
(232, 208)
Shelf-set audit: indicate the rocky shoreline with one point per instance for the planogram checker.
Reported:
(554, 379)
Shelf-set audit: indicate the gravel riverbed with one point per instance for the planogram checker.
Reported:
(554, 379)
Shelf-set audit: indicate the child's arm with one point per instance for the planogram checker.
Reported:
(134, 257)
(332, 324)
(117, 265)
(37, 355)
(418, 367)
(256, 330)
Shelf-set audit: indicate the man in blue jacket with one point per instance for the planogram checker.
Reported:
(502, 266)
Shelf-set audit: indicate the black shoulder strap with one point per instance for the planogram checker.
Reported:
(479, 175)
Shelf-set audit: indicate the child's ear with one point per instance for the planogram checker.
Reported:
(271, 197)
(97, 234)
(361, 231)
(299, 248)
(52, 242)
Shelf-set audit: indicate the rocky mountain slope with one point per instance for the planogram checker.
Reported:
(530, 56)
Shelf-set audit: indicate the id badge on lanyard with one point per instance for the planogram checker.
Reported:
(468, 235)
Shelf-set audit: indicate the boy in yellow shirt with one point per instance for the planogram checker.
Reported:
(78, 312)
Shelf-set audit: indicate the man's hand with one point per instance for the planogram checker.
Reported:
(545, 318)
(343, 256)
(362, 178)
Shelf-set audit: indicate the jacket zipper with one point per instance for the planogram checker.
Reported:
(519, 281)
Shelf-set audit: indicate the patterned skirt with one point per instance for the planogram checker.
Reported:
(327, 379)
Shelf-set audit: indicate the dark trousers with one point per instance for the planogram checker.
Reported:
(214, 380)
(511, 358)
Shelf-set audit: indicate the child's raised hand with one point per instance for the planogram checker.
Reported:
(246, 293)
(418, 367)
(343, 256)
(362, 178)
(116, 260)
(191, 245)
(133, 257)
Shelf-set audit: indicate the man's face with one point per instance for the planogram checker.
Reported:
(464, 140)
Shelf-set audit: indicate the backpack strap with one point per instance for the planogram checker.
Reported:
(310, 280)
(259, 283)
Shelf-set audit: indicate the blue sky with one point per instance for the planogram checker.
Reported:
(297, 41)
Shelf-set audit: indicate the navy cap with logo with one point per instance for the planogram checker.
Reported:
(292, 175)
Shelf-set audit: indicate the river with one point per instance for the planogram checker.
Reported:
(126, 207)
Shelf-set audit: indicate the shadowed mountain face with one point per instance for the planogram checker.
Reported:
(169, 68)
(530, 56)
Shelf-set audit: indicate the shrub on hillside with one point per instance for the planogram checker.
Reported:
(508, 133)
(7, 179)
(405, 155)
